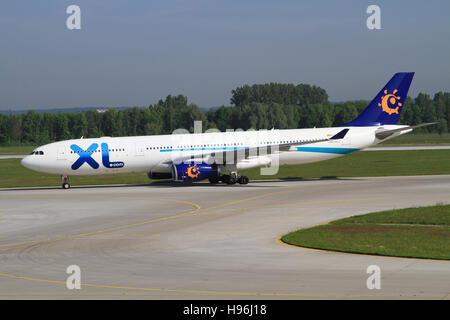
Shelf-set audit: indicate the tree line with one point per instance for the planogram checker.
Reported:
(267, 106)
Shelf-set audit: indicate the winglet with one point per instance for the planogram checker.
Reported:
(340, 135)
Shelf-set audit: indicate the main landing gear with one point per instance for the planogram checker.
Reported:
(65, 182)
(229, 179)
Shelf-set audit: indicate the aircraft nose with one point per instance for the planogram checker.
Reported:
(26, 162)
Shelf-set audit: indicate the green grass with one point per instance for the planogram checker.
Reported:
(422, 232)
(358, 164)
(419, 139)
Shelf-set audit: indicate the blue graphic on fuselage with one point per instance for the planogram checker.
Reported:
(105, 158)
(84, 156)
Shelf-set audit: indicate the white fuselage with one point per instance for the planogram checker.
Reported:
(107, 155)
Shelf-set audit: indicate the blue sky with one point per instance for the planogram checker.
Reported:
(135, 52)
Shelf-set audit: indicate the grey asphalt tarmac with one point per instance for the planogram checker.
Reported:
(12, 156)
(206, 242)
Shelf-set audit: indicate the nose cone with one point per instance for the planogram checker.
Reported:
(26, 162)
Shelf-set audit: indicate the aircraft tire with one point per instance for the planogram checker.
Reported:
(243, 180)
(225, 178)
(214, 179)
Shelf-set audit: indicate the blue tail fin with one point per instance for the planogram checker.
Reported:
(385, 108)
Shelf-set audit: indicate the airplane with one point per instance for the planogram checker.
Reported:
(219, 156)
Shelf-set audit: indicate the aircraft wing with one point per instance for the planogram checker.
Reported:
(239, 153)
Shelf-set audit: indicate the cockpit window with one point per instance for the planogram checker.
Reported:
(41, 153)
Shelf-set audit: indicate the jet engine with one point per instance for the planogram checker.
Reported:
(193, 171)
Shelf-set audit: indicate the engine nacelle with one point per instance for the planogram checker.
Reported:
(194, 171)
(260, 161)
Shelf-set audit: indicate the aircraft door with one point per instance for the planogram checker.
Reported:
(62, 153)
(140, 148)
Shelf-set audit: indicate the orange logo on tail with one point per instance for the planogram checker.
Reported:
(390, 99)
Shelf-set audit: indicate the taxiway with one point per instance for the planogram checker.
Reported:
(206, 242)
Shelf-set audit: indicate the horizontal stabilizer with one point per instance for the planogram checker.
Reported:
(383, 134)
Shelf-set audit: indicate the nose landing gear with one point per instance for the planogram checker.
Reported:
(65, 182)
